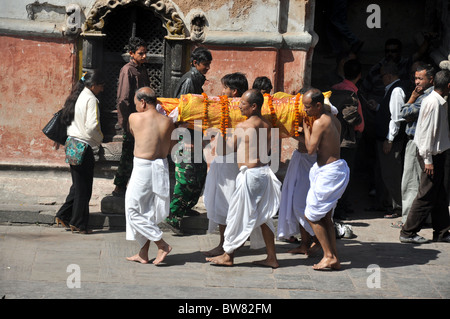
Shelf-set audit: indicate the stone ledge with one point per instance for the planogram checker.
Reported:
(23, 27)
(291, 40)
(44, 214)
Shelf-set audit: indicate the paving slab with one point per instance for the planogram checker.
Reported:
(41, 261)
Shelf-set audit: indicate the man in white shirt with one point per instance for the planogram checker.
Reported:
(423, 79)
(432, 139)
(390, 137)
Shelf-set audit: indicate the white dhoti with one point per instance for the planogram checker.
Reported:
(219, 187)
(327, 184)
(293, 195)
(147, 200)
(254, 202)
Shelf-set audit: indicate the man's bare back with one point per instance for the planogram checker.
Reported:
(152, 132)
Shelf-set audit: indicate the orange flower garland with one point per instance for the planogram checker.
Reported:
(297, 114)
(273, 116)
(225, 114)
(205, 112)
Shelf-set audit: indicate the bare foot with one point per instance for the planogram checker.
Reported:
(224, 260)
(314, 249)
(163, 251)
(214, 252)
(328, 263)
(268, 262)
(138, 258)
(302, 249)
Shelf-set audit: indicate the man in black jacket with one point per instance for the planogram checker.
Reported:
(190, 174)
(390, 134)
(192, 81)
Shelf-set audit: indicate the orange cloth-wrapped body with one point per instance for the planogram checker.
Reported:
(284, 111)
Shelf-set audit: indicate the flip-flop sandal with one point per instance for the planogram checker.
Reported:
(393, 215)
(398, 224)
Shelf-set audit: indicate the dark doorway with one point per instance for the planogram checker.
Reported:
(120, 25)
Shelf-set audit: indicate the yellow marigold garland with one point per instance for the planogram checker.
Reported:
(297, 114)
(225, 114)
(205, 112)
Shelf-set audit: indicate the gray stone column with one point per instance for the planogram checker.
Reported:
(175, 65)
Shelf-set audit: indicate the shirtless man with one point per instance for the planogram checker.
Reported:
(328, 177)
(147, 197)
(256, 186)
(221, 179)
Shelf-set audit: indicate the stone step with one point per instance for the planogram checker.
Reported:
(43, 214)
(115, 206)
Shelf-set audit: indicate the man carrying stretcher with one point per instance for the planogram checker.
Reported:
(328, 177)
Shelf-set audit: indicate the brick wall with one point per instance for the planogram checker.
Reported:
(36, 76)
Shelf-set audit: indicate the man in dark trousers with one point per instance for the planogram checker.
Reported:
(390, 137)
(190, 173)
(133, 76)
(432, 138)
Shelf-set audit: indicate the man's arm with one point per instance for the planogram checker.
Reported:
(313, 137)
(428, 133)
(395, 104)
(410, 111)
(131, 124)
(185, 87)
(123, 98)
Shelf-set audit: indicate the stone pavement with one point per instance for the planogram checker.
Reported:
(38, 260)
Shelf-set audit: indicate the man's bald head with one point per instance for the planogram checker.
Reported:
(315, 95)
(147, 94)
(254, 96)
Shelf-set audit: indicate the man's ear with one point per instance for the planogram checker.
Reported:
(234, 92)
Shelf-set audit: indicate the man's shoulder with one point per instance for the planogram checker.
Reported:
(127, 66)
(432, 97)
(325, 117)
(244, 124)
(247, 124)
(325, 120)
(163, 120)
(188, 75)
(399, 90)
(266, 123)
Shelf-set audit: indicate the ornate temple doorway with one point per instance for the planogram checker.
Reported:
(106, 32)
(119, 27)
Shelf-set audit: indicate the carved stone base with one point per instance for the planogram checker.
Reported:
(111, 151)
(113, 205)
